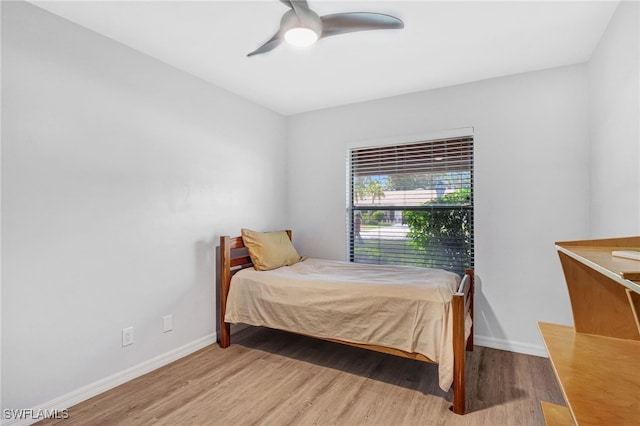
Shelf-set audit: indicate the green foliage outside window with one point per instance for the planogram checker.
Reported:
(445, 229)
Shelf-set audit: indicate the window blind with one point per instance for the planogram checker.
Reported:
(412, 204)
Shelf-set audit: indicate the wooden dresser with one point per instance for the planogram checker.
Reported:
(597, 362)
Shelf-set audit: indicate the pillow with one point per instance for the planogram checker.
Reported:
(270, 250)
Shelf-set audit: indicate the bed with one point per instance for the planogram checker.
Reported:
(418, 313)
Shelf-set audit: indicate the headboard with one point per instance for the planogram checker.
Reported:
(233, 258)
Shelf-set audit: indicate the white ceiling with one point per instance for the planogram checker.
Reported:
(443, 43)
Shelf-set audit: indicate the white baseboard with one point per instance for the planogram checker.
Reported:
(508, 345)
(82, 394)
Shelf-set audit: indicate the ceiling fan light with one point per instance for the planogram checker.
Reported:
(301, 36)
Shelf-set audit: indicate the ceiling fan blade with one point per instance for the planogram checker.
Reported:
(341, 23)
(296, 4)
(269, 45)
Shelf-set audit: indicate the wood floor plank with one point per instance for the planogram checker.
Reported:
(268, 377)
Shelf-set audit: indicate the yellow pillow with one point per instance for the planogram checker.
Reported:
(270, 250)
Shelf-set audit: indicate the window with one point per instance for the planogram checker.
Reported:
(412, 204)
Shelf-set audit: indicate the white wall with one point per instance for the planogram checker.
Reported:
(531, 185)
(614, 126)
(116, 184)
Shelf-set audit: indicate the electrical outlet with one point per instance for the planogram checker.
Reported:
(167, 323)
(127, 336)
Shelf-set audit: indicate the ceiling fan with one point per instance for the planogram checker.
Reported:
(301, 26)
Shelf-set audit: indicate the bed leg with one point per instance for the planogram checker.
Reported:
(458, 354)
(458, 392)
(225, 335)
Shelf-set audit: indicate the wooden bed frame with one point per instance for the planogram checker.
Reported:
(234, 257)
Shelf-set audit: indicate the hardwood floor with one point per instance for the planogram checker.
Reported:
(269, 377)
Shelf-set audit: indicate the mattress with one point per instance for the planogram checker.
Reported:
(401, 307)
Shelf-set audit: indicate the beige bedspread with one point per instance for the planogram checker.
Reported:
(406, 308)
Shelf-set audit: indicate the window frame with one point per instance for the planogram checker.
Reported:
(398, 143)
